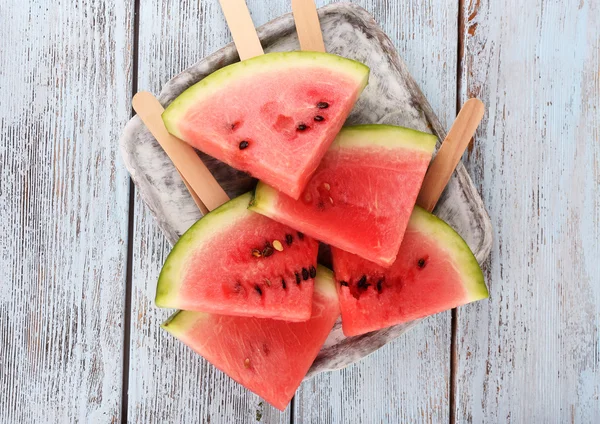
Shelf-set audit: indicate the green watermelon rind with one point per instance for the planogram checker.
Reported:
(203, 230)
(180, 322)
(386, 136)
(325, 283)
(457, 249)
(245, 69)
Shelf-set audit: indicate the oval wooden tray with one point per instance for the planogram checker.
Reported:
(392, 97)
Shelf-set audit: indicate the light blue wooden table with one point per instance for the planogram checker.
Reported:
(80, 253)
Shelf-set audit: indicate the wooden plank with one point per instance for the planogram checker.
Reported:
(65, 74)
(167, 381)
(531, 353)
(409, 379)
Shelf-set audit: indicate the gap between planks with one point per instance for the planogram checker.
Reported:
(130, 230)
(460, 53)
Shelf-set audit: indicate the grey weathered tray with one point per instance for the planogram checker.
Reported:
(392, 97)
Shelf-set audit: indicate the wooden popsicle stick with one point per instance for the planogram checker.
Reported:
(195, 197)
(196, 175)
(242, 29)
(450, 152)
(307, 25)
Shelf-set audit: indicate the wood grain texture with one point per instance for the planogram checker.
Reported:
(529, 354)
(65, 83)
(167, 381)
(408, 379)
(308, 27)
(532, 352)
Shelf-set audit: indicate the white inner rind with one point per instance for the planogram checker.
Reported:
(386, 136)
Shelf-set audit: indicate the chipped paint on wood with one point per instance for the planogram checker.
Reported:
(65, 84)
(531, 353)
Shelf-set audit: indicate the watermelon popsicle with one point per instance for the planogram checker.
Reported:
(236, 262)
(268, 357)
(273, 116)
(361, 196)
(435, 271)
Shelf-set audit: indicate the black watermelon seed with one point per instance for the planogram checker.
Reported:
(379, 285)
(300, 235)
(305, 273)
(343, 283)
(258, 289)
(289, 239)
(421, 263)
(302, 127)
(319, 118)
(313, 271)
(322, 105)
(298, 279)
(362, 283)
(244, 144)
(283, 283)
(267, 251)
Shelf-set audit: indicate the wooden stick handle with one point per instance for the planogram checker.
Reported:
(307, 25)
(242, 29)
(450, 152)
(206, 191)
(195, 197)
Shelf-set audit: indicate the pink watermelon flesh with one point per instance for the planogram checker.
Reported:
(362, 194)
(229, 263)
(274, 122)
(434, 271)
(269, 357)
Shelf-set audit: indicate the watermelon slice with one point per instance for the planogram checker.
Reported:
(435, 271)
(269, 357)
(361, 196)
(236, 262)
(273, 116)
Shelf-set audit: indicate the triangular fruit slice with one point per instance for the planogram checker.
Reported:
(361, 196)
(269, 357)
(273, 116)
(435, 271)
(237, 262)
